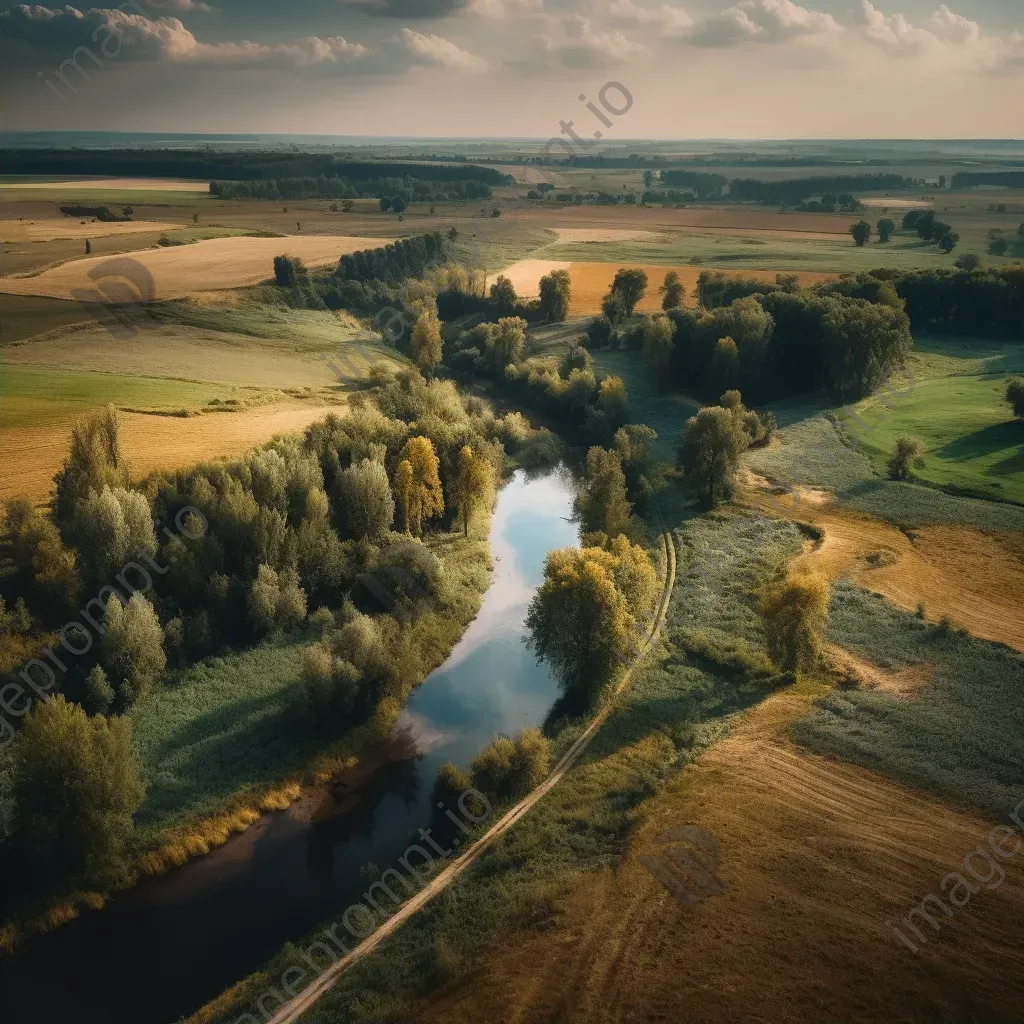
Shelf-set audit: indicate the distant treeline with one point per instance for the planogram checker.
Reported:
(209, 166)
(1007, 179)
(337, 187)
(799, 189)
(699, 181)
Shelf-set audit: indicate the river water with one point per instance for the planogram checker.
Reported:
(158, 952)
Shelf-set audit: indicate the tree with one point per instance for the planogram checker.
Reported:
(555, 295)
(403, 492)
(509, 768)
(425, 497)
(583, 620)
(658, 349)
(99, 693)
(347, 206)
(289, 271)
(426, 341)
(385, 204)
(672, 291)
(1015, 396)
(999, 246)
(795, 613)
(613, 401)
(709, 453)
(366, 506)
(906, 455)
(911, 217)
(195, 218)
(886, 227)
(648, 179)
(76, 783)
(949, 241)
(968, 261)
(503, 295)
(629, 287)
(276, 601)
(861, 232)
(507, 341)
(128, 212)
(45, 567)
(474, 488)
(132, 649)
(88, 247)
(109, 528)
(602, 505)
(94, 461)
(399, 205)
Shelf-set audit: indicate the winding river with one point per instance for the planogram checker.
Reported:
(158, 952)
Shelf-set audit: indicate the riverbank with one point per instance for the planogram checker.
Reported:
(231, 728)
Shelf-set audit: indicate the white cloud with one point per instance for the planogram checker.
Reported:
(112, 33)
(670, 21)
(505, 8)
(890, 31)
(416, 48)
(761, 21)
(954, 28)
(179, 6)
(581, 46)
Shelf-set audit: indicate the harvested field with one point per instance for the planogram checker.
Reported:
(590, 281)
(816, 858)
(606, 235)
(196, 354)
(720, 220)
(54, 228)
(974, 578)
(34, 454)
(526, 274)
(118, 184)
(179, 270)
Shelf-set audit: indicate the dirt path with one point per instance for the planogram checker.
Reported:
(294, 1010)
(816, 858)
(973, 578)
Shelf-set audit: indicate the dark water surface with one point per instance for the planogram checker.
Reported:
(159, 951)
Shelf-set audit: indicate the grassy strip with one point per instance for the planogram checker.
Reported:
(961, 736)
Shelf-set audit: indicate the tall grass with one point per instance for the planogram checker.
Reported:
(962, 735)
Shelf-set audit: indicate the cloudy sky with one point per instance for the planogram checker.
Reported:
(753, 69)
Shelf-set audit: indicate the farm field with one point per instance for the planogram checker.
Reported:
(970, 438)
(58, 228)
(591, 280)
(815, 858)
(45, 183)
(177, 271)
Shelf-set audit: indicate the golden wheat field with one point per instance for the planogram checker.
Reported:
(151, 442)
(173, 272)
(51, 229)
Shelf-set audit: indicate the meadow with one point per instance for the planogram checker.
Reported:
(951, 399)
(961, 734)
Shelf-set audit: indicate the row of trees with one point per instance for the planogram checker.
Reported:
(408, 188)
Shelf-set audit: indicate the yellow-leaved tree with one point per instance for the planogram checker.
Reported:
(474, 486)
(418, 487)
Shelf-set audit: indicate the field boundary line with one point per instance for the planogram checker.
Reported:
(292, 1011)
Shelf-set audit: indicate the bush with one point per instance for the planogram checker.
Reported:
(795, 615)
(1015, 396)
(508, 769)
(907, 455)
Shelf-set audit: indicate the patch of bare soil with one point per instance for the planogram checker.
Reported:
(905, 683)
(973, 578)
(815, 858)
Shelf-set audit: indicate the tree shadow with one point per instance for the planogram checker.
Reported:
(996, 437)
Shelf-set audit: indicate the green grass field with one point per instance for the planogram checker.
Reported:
(757, 252)
(962, 735)
(951, 400)
(30, 395)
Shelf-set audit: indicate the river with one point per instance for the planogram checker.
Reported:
(158, 952)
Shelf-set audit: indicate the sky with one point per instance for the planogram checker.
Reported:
(487, 68)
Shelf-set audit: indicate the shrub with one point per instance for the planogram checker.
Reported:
(1015, 396)
(906, 455)
(795, 615)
